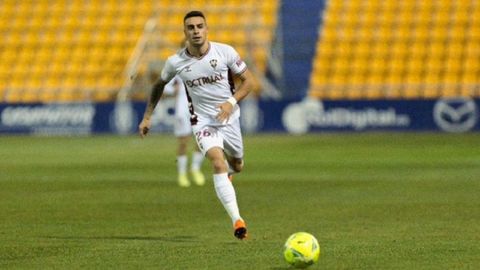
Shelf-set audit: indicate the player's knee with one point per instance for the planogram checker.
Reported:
(219, 165)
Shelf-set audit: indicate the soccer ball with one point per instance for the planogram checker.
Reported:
(301, 250)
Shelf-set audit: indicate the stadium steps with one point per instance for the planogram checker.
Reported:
(299, 34)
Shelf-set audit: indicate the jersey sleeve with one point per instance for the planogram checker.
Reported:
(170, 87)
(168, 71)
(235, 62)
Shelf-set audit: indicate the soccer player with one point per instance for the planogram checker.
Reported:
(182, 127)
(183, 132)
(207, 68)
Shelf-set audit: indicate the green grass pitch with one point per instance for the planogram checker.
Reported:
(373, 200)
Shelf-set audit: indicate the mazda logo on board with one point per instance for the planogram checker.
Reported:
(455, 114)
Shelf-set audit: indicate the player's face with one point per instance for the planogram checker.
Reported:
(195, 29)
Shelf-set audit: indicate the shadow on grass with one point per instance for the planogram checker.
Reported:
(179, 238)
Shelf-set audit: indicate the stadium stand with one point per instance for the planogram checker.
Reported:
(78, 50)
(397, 49)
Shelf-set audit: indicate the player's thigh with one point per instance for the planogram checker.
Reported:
(232, 140)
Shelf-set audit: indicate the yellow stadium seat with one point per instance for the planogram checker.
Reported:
(450, 90)
(48, 95)
(433, 75)
(325, 50)
(471, 66)
(33, 83)
(13, 96)
(470, 78)
(453, 65)
(466, 91)
(340, 65)
(338, 78)
(70, 81)
(451, 78)
(3, 85)
(354, 92)
(431, 91)
(2, 90)
(410, 91)
(396, 66)
(67, 95)
(437, 50)
(52, 82)
(321, 65)
(319, 79)
(17, 82)
(337, 92)
(415, 66)
(29, 95)
(374, 92)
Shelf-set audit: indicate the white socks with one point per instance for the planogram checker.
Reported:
(197, 159)
(182, 164)
(226, 194)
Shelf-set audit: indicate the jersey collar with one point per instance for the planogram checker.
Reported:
(201, 56)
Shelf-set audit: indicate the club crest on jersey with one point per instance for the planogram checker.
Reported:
(187, 69)
(213, 63)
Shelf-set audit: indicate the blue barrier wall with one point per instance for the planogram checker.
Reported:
(293, 116)
(449, 115)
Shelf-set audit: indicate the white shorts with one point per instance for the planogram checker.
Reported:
(182, 126)
(228, 137)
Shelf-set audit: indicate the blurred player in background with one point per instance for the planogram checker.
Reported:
(182, 128)
(183, 131)
(207, 69)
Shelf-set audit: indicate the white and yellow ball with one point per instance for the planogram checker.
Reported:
(301, 250)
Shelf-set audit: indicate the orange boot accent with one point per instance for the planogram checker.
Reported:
(240, 229)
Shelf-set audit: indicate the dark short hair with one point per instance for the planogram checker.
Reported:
(194, 13)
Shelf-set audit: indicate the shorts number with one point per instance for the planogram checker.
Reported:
(202, 133)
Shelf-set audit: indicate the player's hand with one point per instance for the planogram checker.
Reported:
(144, 127)
(225, 111)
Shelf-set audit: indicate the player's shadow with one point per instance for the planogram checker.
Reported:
(176, 239)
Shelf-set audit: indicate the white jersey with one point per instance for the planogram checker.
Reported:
(176, 87)
(208, 79)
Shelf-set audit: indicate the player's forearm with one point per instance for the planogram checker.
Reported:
(245, 86)
(156, 94)
(242, 91)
